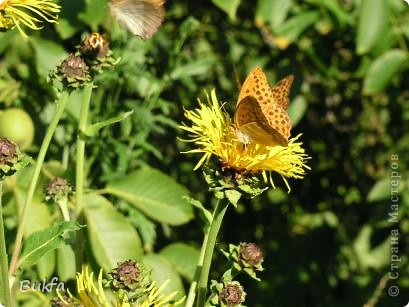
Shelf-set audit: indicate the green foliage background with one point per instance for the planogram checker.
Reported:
(327, 243)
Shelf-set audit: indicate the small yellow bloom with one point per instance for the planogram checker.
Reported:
(212, 132)
(30, 13)
(92, 294)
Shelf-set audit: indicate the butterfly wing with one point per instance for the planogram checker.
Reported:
(256, 85)
(141, 17)
(281, 91)
(250, 120)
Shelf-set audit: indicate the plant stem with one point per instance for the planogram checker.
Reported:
(193, 286)
(63, 204)
(79, 171)
(5, 287)
(37, 169)
(214, 228)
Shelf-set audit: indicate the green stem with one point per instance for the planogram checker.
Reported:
(214, 228)
(5, 287)
(63, 204)
(79, 171)
(37, 169)
(193, 286)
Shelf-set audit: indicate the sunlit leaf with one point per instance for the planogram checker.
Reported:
(383, 69)
(373, 24)
(113, 238)
(228, 6)
(183, 257)
(43, 241)
(162, 271)
(154, 193)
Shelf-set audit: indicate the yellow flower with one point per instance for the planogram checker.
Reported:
(213, 133)
(30, 13)
(92, 294)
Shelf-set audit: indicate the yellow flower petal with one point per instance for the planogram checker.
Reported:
(29, 13)
(211, 130)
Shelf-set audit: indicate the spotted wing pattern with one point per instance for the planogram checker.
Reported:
(281, 91)
(250, 120)
(260, 112)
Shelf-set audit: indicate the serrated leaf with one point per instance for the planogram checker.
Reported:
(383, 69)
(155, 194)
(183, 257)
(112, 236)
(373, 24)
(228, 6)
(43, 241)
(233, 196)
(94, 128)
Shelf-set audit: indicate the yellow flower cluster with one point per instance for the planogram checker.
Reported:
(212, 132)
(91, 294)
(30, 13)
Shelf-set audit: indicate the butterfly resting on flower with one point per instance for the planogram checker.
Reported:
(261, 115)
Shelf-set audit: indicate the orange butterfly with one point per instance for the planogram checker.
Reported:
(261, 115)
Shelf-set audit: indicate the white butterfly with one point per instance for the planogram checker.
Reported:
(141, 17)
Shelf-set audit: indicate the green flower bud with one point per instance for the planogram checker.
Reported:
(73, 72)
(57, 189)
(95, 50)
(11, 159)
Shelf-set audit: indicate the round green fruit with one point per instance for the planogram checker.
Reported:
(17, 126)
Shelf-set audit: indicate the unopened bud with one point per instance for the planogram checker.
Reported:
(250, 254)
(95, 45)
(232, 294)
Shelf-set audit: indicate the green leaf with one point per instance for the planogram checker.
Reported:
(335, 7)
(296, 109)
(46, 265)
(112, 236)
(273, 12)
(373, 24)
(163, 271)
(94, 128)
(43, 241)
(368, 256)
(380, 190)
(194, 68)
(48, 55)
(295, 26)
(183, 257)
(206, 214)
(155, 194)
(228, 6)
(233, 196)
(94, 13)
(66, 262)
(188, 26)
(383, 69)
